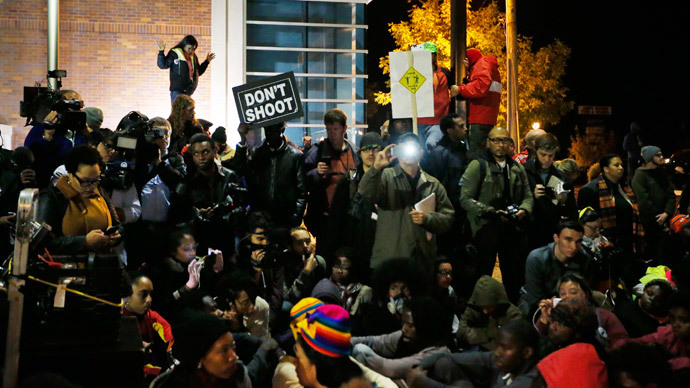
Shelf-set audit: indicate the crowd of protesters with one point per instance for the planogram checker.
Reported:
(371, 264)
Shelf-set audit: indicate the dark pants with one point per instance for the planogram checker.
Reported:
(478, 135)
(446, 371)
(509, 242)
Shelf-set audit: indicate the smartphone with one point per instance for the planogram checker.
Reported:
(110, 231)
(325, 159)
(556, 301)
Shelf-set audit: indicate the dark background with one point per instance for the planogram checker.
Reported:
(631, 55)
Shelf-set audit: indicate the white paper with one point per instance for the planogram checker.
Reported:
(401, 97)
(427, 205)
(557, 185)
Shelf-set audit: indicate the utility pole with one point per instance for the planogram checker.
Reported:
(458, 47)
(511, 45)
(53, 40)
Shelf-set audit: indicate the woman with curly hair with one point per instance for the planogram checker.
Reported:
(183, 122)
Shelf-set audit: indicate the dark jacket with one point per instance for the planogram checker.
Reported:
(180, 79)
(447, 162)
(545, 213)
(654, 192)
(481, 197)
(181, 378)
(396, 234)
(48, 155)
(276, 181)
(52, 205)
(635, 320)
(199, 191)
(477, 328)
(542, 272)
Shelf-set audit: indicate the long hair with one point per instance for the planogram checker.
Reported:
(177, 122)
(189, 39)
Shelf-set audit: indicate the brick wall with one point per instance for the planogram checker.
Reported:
(108, 48)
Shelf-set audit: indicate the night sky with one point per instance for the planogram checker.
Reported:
(630, 55)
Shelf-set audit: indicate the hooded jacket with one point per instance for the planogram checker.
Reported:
(654, 192)
(180, 79)
(477, 328)
(483, 92)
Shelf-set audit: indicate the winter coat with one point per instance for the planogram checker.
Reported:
(542, 272)
(665, 337)
(316, 184)
(477, 328)
(385, 347)
(441, 98)
(654, 192)
(180, 79)
(479, 198)
(276, 181)
(396, 235)
(636, 321)
(483, 92)
(447, 162)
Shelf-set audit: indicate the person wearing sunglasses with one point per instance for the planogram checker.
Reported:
(81, 218)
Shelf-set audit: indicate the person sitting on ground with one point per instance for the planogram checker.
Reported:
(379, 312)
(511, 363)
(675, 337)
(344, 276)
(243, 308)
(155, 331)
(79, 215)
(572, 286)
(488, 309)
(206, 351)
(424, 332)
(637, 365)
(571, 321)
(303, 268)
(444, 293)
(649, 311)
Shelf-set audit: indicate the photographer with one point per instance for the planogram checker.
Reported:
(16, 174)
(205, 198)
(553, 198)
(81, 218)
(275, 176)
(401, 229)
(303, 268)
(48, 140)
(495, 193)
(118, 183)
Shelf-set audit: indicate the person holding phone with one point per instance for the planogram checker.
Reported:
(76, 210)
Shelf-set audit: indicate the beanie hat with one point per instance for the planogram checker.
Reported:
(370, 140)
(473, 55)
(299, 311)
(648, 152)
(94, 118)
(194, 336)
(219, 135)
(678, 222)
(327, 291)
(426, 46)
(327, 330)
(577, 365)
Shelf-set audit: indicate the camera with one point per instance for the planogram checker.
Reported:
(235, 204)
(550, 192)
(131, 129)
(512, 211)
(118, 175)
(39, 101)
(409, 149)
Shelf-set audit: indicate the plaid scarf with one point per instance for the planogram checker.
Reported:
(607, 212)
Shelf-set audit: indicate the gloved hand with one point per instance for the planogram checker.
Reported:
(194, 270)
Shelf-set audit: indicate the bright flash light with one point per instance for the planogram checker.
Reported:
(536, 125)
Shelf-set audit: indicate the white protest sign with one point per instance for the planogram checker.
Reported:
(412, 84)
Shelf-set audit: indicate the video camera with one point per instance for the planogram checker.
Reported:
(39, 101)
(118, 175)
(235, 204)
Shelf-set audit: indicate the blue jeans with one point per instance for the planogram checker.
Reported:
(430, 135)
(173, 96)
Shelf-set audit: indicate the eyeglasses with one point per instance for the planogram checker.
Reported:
(372, 150)
(445, 272)
(501, 140)
(594, 229)
(88, 183)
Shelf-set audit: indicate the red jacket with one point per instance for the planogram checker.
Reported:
(483, 92)
(441, 100)
(665, 337)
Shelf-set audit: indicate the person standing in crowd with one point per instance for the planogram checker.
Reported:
(616, 204)
(483, 93)
(528, 142)
(655, 196)
(326, 163)
(632, 144)
(447, 162)
(569, 169)
(275, 175)
(402, 230)
(495, 193)
(94, 118)
(553, 200)
(76, 210)
(444, 90)
(183, 122)
(184, 66)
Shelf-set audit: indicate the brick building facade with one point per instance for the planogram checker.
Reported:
(108, 49)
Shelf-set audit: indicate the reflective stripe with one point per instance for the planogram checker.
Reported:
(495, 87)
(180, 54)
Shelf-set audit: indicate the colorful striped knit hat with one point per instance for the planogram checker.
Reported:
(327, 330)
(298, 312)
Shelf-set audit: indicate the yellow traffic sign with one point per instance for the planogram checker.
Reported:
(412, 80)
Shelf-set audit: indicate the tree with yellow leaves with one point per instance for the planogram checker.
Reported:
(541, 93)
